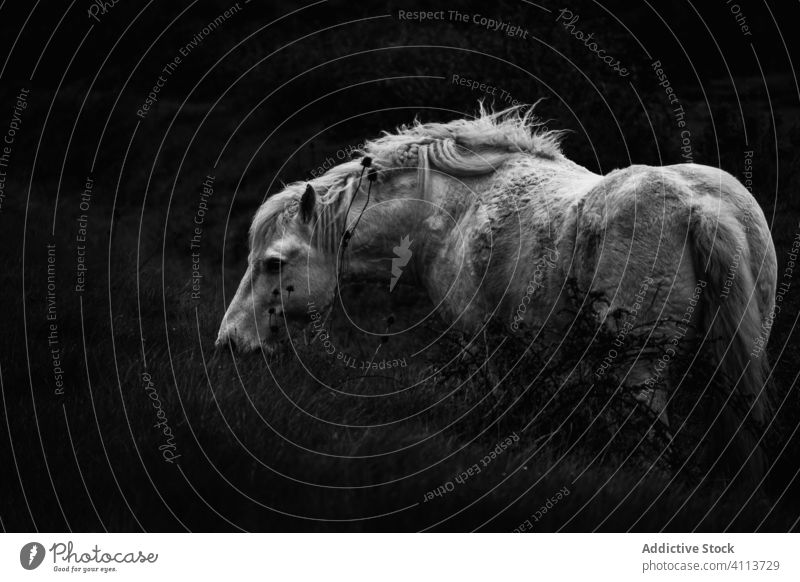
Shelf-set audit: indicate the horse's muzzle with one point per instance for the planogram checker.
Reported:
(232, 340)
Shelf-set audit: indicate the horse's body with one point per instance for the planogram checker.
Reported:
(500, 220)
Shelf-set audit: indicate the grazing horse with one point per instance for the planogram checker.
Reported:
(494, 221)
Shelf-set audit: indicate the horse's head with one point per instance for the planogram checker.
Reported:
(286, 274)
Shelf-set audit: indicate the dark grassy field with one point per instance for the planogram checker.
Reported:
(301, 442)
(157, 430)
(262, 446)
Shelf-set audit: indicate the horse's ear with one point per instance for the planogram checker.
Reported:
(307, 203)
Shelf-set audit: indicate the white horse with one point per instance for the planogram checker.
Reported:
(500, 220)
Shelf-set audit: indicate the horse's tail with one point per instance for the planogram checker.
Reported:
(734, 320)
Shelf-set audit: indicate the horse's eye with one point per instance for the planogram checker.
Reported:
(273, 264)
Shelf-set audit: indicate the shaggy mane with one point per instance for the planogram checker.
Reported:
(462, 147)
(512, 130)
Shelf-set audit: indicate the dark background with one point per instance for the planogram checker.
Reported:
(272, 92)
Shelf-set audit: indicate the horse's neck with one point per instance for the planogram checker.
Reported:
(385, 224)
(449, 207)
